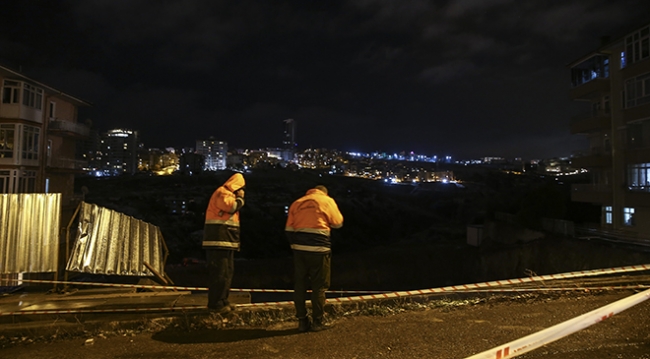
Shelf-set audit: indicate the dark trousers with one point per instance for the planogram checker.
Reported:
(311, 270)
(221, 267)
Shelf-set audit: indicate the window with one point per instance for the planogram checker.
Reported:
(638, 177)
(7, 140)
(596, 67)
(32, 96)
(13, 181)
(30, 142)
(608, 214)
(10, 91)
(637, 47)
(628, 216)
(5, 180)
(52, 109)
(27, 182)
(637, 91)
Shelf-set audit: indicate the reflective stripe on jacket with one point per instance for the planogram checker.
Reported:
(221, 228)
(309, 222)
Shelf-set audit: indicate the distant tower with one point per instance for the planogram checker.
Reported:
(289, 138)
(214, 153)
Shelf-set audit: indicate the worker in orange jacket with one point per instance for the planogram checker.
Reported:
(221, 240)
(308, 229)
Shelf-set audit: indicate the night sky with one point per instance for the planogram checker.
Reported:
(466, 78)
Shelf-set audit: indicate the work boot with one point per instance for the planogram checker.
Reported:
(318, 326)
(223, 310)
(303, 324)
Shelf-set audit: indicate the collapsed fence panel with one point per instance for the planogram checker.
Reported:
(113, 243)
(29, 232)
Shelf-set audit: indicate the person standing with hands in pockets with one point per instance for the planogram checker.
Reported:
(308, 230)
(221, 240)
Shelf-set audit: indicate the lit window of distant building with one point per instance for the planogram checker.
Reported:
(608, 214)
(628, 216)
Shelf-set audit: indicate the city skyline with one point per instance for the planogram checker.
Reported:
(460, 78)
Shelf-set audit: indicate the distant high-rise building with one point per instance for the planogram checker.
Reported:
(289, 139)
(89, 150)
(613, 81)
(119, 152)
(214, 153)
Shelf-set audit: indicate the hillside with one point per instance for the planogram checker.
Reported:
(394, 236)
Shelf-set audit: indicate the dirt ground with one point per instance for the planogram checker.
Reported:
(415, 331)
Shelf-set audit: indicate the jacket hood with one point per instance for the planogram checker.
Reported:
(316, 191)
(235, 182)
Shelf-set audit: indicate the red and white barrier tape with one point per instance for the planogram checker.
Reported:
(553, 289)
(594, 272)
(115, 310)
(270, 304)
(536, 340)
(485, 286)
(151, 286)
(492, 284)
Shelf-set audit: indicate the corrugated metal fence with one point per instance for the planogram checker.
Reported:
(107, 242)
(29, 232)
(110, 242)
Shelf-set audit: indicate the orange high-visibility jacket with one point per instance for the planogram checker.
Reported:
(309, 222)
(221, 230)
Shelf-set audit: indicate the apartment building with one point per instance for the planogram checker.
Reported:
(119, 152)
(614, 83)
(215, 153)
(38, 136)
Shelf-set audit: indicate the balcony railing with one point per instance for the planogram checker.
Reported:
(70, 127)
(637, 152)
(590, 114)
(590, 90)
(590, 121)
(623, 236)
(596, 159)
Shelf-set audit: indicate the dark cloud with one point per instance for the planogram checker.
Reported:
(458, 77)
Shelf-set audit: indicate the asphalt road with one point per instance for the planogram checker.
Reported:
(453, 331)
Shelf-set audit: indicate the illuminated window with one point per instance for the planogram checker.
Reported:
(596, 67)
(639, 176)
(608, 214)
(628, 216)
(7, 140)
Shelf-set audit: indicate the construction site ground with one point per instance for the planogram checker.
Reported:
(449, 325)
